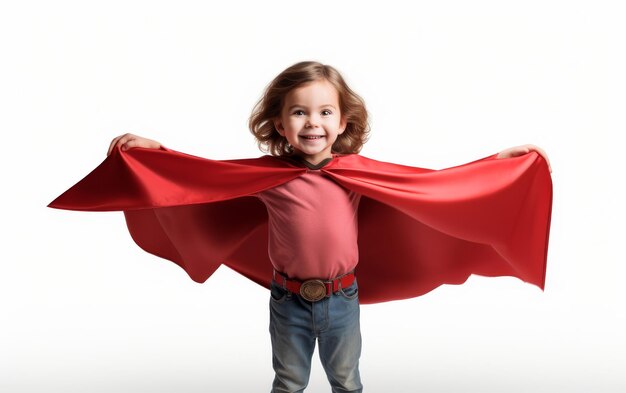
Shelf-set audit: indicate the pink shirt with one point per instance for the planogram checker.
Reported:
(312, 227)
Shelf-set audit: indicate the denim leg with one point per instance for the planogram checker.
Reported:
(294, 326)
(340, 342)
(293, 341)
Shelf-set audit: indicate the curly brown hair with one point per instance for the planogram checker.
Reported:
(269, 107)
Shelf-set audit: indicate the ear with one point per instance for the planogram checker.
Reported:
(278, 124)
(342, 125)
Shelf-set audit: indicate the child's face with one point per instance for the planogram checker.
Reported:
(311, 120)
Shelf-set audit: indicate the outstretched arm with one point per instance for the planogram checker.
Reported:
(524, 149)
(127, 141)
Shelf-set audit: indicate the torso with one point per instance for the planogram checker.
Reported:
(313, 226)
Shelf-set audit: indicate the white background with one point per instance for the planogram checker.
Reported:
(83, 309)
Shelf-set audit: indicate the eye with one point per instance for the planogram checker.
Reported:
(326, 112)
(298, 112)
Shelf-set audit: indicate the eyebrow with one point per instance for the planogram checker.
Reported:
(304, 106)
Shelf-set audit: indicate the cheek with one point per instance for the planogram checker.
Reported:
(336, 124)
(292, 123)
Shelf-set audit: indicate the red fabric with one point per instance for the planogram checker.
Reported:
(418, 228)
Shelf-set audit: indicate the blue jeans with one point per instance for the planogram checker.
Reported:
(296, 323)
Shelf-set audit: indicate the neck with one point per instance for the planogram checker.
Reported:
(314, 164)
(316, 159)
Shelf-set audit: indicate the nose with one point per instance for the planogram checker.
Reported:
(312, 121)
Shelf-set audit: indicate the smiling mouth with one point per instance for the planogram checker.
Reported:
(311, 137)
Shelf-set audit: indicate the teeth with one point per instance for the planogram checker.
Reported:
(312, 136)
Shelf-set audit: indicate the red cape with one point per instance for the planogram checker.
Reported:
(418, 228)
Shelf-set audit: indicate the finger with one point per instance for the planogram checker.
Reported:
(514, 152)
(114, 143)
(118, 140)
(521, 150)
(542, 153)
(123, 143)
(111, 146)
(130, 144)
(545, 157)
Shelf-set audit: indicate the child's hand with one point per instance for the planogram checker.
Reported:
(524, 149)
(128, 141)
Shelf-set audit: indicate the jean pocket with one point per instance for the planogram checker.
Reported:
(278, 294)
(351, 292)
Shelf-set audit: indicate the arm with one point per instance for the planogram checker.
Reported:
(524, 149)
(128, 141)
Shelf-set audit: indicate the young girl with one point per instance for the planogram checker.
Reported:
(309, 117)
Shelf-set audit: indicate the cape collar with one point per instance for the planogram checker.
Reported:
(302, 162)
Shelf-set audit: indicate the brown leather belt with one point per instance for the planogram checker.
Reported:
(314, 290)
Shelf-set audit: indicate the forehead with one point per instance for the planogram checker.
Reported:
(320, 92)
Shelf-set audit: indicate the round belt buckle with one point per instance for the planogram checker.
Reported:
(313, 290)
